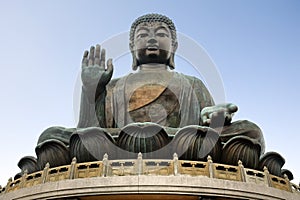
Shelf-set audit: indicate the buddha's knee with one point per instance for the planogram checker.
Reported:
(91, 144)
(52, 151)
(196, 143)
(274, 163)
(243, 128)
(148, 138)
(53, 147)
(241, 148)
(58, 133)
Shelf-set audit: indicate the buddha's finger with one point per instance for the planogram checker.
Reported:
(97, 55)
(204, 119)
(110, 67)
(228, 118)
(84, 62)
(207, 122)
(232, 108)
(102, 59)
(91, 57)
(97, 51)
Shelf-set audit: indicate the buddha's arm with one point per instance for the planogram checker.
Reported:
(89, 109)
(220, 114)
(203, 95)
(95, 76)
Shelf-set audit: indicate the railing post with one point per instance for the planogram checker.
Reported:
(242, 171)
(45, 173)
(105, 165)
(288, 182)
(122, 169)
(8, 184)
(267, 177)
(210, 167)
(140, 164)
(175, 164)
(72, 168)
(23, 178)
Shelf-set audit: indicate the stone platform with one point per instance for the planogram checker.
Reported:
(149, 179)
(149, 187)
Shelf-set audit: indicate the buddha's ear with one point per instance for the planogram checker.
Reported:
(175, 45)
(171, 61)
(135, 62)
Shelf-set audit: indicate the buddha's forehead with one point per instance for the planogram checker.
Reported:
(152, 25)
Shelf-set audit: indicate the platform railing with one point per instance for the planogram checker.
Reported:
(148, 167)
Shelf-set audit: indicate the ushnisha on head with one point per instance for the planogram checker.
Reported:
(153, 20)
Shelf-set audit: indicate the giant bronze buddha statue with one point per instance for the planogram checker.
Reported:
(153, 110)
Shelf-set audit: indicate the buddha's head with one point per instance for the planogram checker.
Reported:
(153, 40)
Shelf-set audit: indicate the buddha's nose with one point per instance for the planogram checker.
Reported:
(152, 40)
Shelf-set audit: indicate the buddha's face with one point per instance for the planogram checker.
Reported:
(152, 43)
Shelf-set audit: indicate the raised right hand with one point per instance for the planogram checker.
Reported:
(94, 73)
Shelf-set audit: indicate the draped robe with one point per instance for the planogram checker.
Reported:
(168, 98)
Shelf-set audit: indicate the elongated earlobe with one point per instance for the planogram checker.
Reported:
(171, 61)
(135, 63)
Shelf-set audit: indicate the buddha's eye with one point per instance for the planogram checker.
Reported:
(142, 35)
(161, 34)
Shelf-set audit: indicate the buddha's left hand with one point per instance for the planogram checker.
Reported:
(218, 115)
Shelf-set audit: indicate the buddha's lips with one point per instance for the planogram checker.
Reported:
(152, 48)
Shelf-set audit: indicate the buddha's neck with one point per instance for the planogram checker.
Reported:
(153, 67)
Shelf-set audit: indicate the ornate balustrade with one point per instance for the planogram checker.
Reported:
(140, 166)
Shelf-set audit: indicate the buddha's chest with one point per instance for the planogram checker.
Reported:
(154, 103)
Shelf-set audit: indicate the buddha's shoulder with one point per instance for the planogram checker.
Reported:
(117, 81)
(191, 79)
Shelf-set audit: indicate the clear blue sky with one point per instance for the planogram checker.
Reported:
(254, 44)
